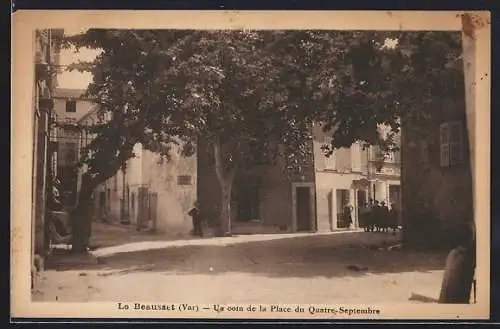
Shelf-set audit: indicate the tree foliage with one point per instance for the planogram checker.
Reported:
(255, 94)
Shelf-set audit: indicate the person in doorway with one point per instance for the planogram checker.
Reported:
(384, 217)
(363, 211)
(195, 215)
(376, 216)
(348, 216)
(369, 216)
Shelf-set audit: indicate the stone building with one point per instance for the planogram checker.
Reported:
(46, 48)
(265, 200)
(436, 178)
(147, 192)
(68, 139)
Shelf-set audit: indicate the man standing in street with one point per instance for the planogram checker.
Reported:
(195, 215)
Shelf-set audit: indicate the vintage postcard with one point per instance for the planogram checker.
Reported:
(250, 165)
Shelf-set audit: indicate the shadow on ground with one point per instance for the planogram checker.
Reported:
(330, 255)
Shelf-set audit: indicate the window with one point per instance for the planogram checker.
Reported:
(452, 143)
(68, 153)
(356, 157)
(343, 159)
(71, 105)
(184, 180)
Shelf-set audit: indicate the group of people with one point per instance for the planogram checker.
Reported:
(376, 216)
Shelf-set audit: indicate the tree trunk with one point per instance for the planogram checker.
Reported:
(81, 217)
(225, 177)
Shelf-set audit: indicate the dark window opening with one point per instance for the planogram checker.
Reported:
(184, 180)
(70, 105)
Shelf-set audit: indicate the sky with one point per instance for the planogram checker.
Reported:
(75, 79)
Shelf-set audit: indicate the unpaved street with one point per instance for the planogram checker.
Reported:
(289, 268)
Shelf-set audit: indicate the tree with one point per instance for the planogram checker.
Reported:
(265, 87)
(254, 94)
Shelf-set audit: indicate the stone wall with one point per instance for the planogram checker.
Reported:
(435, 199)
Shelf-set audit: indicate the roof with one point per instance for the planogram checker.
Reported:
(68, 93)
(94, 109)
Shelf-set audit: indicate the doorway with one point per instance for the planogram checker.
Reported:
(303, 208)
(342, 196)
(362, 197)
(361, 200)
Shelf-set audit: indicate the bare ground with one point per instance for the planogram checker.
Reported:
(347, 267)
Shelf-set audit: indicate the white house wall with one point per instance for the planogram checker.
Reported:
(160, 177)
(82, 107)
(326, 185)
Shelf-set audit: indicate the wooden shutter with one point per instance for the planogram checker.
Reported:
(444, 137)
(356, 157)
(456, 143)
(343, 160)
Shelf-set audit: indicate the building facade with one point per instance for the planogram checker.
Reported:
(152, 193)
(350, 177)
(46, 46)
(265, 200)
(71, 110)
(437, 180)
(147, 191)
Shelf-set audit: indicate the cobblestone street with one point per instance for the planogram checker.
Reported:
(347, 267)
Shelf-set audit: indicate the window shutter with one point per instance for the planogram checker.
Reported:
(456, 143)
(444, 134)
(343, 157)
(356, 157)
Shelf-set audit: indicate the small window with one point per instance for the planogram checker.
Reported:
(184, 180)
(71, 105)
(452, 143)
